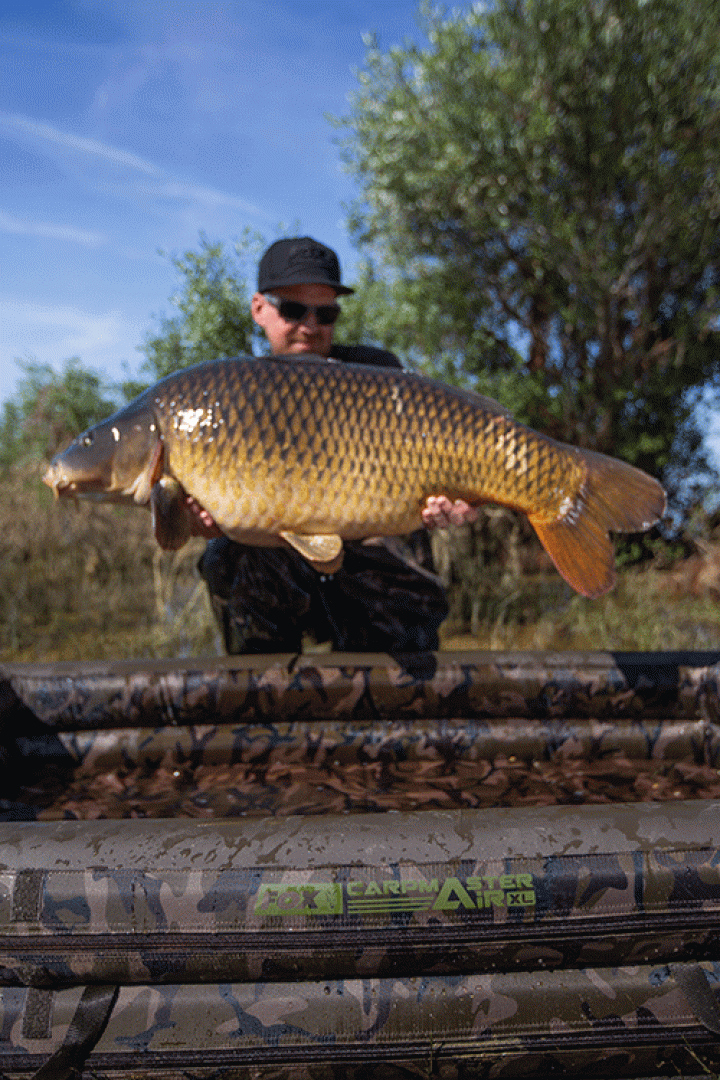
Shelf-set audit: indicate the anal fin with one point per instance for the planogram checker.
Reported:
(324, 551)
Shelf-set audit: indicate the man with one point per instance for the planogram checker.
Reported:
(386, 596)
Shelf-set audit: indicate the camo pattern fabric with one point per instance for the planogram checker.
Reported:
(412, 974)
(385, 597)
(352, 687)
(608, 1022)
(328, 745)
(332, 897)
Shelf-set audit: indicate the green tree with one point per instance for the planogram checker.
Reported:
(540, 187)
(50, 408)
(213, 302)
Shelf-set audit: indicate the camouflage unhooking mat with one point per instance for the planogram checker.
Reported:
(244, 940)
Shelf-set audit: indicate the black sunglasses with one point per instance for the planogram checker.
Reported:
(294, 311)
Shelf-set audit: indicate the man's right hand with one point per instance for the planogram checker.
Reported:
(439, 512)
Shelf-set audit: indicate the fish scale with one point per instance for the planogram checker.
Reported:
(310, 452)
(337, 450)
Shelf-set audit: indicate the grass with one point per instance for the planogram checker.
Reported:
(642, 613)
(90, 583)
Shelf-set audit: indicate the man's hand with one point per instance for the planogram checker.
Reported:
(201, 523)
(439, 512)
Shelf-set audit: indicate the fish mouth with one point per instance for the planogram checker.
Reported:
(62, 486)
(55, 480)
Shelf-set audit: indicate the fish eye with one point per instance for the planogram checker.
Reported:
(87, 440)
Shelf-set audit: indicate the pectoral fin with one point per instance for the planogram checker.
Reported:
(323, 550)
(171, 522)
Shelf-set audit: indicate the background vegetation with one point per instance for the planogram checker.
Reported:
(538, 218)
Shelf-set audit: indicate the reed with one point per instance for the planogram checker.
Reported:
(90, 583)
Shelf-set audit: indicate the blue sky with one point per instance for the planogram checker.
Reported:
(128, 126)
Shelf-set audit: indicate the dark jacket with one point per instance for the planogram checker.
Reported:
(386, 596)
(364, 354)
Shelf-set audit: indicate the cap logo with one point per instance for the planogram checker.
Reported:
(310, 251)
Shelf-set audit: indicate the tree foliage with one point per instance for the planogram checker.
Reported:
(213, 302)
(541, 187)
(49, 409)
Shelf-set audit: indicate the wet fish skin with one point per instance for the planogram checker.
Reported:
(117, 460)
(312, 453)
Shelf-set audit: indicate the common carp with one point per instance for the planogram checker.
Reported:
(310, 453)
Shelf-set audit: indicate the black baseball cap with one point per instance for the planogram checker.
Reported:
(300, 261)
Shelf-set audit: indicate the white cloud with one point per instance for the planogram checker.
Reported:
(165, 186)
(206, 196)
(52, 333)
(48, 231)
(94, 147)
(72, 329)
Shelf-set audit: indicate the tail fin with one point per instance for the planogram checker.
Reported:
(614, 497)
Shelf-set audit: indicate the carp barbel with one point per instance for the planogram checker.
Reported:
(310, 453)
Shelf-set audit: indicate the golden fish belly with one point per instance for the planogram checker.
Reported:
(317, 447)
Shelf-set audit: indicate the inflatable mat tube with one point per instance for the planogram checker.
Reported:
(597, 1022)
(364, 687)
(579, 941)
(350, 896)
(410, 740)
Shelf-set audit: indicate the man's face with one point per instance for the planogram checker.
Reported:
(307, 336)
